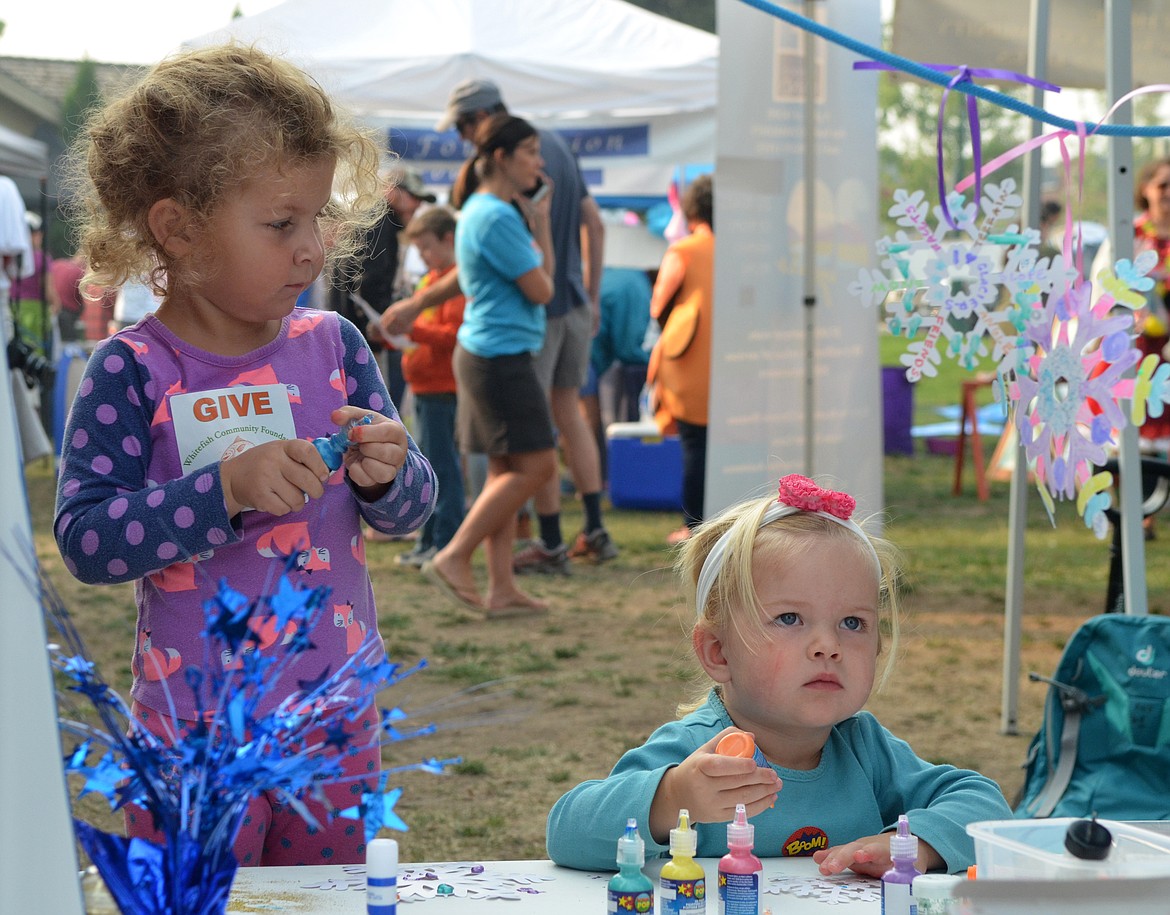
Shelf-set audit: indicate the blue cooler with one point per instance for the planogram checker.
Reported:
(645, 467)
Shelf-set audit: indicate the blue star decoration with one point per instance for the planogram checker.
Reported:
(197, 789)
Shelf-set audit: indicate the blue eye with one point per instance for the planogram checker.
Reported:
(853, 623)
(281, 225)
(788, 619)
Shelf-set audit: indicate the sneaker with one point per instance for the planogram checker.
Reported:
(415, 558)
(596, 545)
(534, 556)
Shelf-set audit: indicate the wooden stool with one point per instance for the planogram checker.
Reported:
(970, 414)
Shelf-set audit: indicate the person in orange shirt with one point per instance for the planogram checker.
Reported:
(680, 363)
(427, 369)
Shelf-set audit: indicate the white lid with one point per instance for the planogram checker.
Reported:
(382, 857)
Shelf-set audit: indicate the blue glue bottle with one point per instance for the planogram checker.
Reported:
(382, 877)
(629, 889)
(739, 869)
(898, 881)
(682, 883)
(332, 448)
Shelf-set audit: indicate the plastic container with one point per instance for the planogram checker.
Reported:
(645, 468)
(1034, 850)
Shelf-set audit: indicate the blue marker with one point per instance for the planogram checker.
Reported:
(332, 448)
(382, 877)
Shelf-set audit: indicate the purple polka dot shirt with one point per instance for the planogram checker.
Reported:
(127, 511)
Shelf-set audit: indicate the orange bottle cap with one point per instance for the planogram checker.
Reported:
(971, 872)
(737, 743)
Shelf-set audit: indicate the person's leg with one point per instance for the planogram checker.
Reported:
(439, 410)
(527, 470)
(693, 442)
(509, 483)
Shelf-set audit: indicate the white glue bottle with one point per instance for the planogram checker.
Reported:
(382, 877)
(898, 881)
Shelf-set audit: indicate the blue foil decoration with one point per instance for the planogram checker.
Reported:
(198, 789)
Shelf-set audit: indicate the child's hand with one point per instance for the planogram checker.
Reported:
(709, 786)
(379, 451)
(274, 477)
(870, 856)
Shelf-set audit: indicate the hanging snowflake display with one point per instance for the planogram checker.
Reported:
(1069, 384)
(987, 284)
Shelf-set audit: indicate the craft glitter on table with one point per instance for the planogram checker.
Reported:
(792, 886)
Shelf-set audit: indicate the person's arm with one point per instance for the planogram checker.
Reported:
(537, 284)
(398, 318)
(583, 826)
(592, 254)
(666, 287)
(940, 800)
(108, 525)
(410, 498)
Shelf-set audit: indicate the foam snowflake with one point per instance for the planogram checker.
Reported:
(1069, 386)
(838, 890)
(986, 284)
(419, 882)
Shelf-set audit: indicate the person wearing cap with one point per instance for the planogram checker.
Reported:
(380, 280)
(573, 318)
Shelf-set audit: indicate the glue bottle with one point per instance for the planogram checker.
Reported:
(682, 884)
(332, 448)
(382, 877)
(898, 881)
(629, 889)
(739, 869)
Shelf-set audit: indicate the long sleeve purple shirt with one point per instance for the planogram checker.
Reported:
(140, 495)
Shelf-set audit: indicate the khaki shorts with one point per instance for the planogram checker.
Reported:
(563, 361)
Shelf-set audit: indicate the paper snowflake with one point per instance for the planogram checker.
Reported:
(987, 283)
(1069, 384)
(839, 890)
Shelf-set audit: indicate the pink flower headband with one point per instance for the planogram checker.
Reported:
(796, 494)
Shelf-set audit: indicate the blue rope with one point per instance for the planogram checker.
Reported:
(944, 79)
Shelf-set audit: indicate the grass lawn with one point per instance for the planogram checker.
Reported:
(569, 693)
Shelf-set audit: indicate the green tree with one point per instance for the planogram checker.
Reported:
(83, 95)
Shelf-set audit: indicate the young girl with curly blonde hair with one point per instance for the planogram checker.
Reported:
(188, 457)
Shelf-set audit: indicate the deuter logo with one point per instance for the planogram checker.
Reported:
(1145, 655)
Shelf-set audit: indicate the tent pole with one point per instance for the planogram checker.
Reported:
(1118, 81)
(810, 238)
(1013, 610)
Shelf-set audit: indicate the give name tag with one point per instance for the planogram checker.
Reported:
(212, 426)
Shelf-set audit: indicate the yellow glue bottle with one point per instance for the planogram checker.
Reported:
(682, 884)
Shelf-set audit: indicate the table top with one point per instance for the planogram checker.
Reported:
(791, 886)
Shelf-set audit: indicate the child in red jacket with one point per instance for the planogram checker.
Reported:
(427, 369)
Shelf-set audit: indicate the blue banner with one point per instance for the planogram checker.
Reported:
(417, 144)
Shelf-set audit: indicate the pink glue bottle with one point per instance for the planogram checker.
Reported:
(739, 869)
(898, 881)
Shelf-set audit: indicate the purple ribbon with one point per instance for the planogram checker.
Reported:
(964, 75)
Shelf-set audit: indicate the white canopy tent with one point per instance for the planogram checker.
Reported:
(633, 92)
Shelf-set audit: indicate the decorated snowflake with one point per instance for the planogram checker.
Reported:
(838, 890)
(1069, 384)
(986, 284)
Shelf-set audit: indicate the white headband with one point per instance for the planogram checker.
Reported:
(713, 564)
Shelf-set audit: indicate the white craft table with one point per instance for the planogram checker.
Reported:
(563, 891)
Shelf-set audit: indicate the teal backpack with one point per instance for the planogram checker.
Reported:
(1104, 744)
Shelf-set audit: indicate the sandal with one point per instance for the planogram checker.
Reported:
(465, 598)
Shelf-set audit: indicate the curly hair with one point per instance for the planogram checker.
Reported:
(194, 129)
(733, 601)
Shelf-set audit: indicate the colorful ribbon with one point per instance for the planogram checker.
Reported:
(964, 75)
